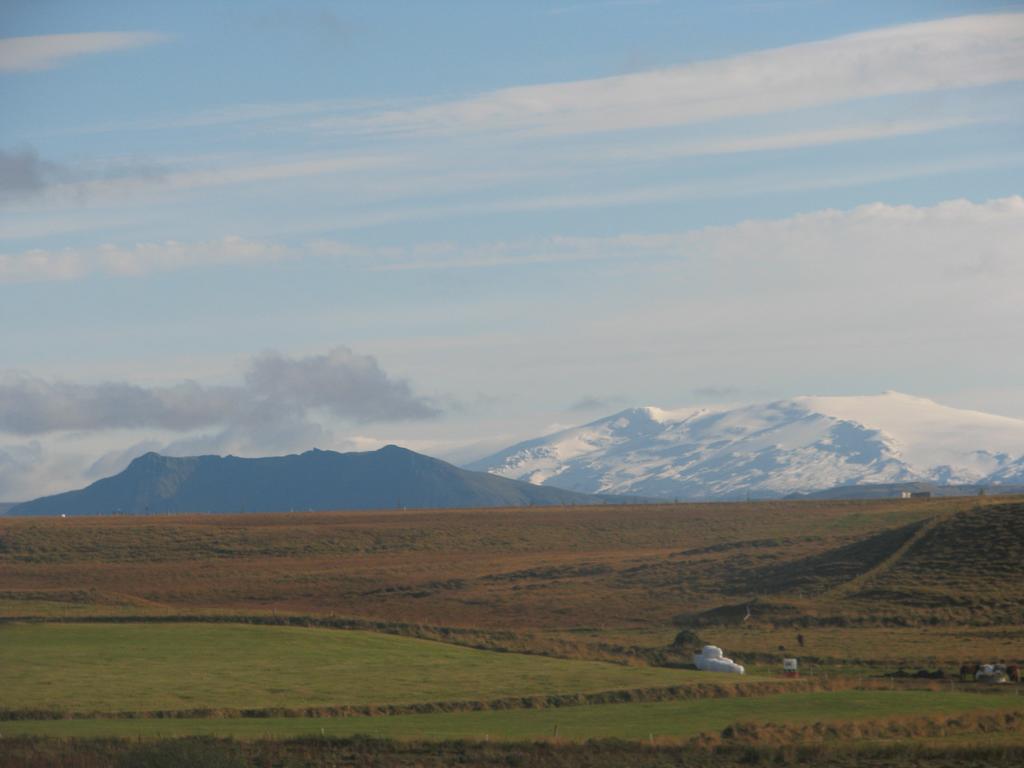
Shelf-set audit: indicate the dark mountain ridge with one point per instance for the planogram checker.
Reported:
(389, 478)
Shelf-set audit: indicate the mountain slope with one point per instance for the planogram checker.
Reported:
(772, 449)
(316, 480)
(960, 566)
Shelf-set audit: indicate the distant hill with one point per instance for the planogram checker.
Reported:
(6, 505)
(317, 480)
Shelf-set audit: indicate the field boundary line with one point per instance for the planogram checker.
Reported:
(683, 692)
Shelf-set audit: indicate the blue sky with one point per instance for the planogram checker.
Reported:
(258, 227)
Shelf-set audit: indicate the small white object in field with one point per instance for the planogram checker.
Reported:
(710, 659)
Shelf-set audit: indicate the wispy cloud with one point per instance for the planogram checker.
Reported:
(24, 54)
(949, 53)
(39, 264)
(663, 150)
(639, 195)
(244, 174)
(401, 173)
(290, 115)
(129, 180)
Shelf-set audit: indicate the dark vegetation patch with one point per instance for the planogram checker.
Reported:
(912, 727)
(201, 752)
(550, 572)
(424, 589)
(753, 544)
(977, 551)
(689, 691)
(819, 573)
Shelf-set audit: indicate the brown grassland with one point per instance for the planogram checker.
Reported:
(869, 587)
(615, 575)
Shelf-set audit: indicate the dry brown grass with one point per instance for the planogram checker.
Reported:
(573, 576)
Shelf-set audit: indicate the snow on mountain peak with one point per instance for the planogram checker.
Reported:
(930, 434)
(800, 444)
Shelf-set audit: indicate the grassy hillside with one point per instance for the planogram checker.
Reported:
(976, 552)
(595, 582)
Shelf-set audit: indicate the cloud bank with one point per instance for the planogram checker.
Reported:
(283, 404)
(984, 233)
(341, 383)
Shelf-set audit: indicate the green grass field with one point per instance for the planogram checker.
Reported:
(146, 667)
(669, 719)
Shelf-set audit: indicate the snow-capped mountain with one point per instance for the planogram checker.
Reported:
(772, 449)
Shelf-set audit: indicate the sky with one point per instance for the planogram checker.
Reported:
(257, 228)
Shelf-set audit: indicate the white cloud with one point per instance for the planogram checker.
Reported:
(22, 54)
(901, 248)
(905, 253)
(905, 246)
(696, 190)
(70, 263)
(790, 140)
(950, 53)
(882, 291)
(917, 224)
(25, 468)
(256, 172)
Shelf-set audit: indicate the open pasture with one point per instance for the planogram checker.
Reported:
(150, 667)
